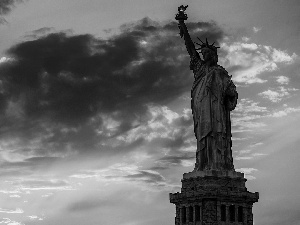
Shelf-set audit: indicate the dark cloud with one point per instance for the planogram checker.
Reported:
(6, 6)
(58, 80)
(176, 159)
(146, 176)
(149, 177)
(89, 204)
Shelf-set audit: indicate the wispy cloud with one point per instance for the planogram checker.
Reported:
(34, 217)
(17, 210)
(278, 94)
(243, 157)
(282, 80)
(256, 29)
(10, 222)
(253, 151)
(285, 112)
(247, 115)
(247, 61)
(15, 196)
(122, 173)
(38, 184)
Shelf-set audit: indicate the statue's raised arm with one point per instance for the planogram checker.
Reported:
(181, 16)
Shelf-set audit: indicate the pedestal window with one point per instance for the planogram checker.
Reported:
(183, 214)
(223, 212)
(197, 213)
(240, 214)
(191, 214)
(232, 213)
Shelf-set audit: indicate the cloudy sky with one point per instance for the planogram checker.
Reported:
(95, 119)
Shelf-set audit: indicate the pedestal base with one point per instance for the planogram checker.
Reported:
(214, 173)
(214, 198)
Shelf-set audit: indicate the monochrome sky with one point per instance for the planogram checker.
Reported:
(95, 119)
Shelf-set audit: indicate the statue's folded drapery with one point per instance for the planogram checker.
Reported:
(213, 97)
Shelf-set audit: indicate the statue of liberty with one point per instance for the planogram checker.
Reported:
(213, 97)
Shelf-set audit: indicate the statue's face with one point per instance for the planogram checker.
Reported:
(207, 54)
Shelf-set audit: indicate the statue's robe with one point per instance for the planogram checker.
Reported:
(213, 97)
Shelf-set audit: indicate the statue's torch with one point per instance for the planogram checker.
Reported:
(181, 16)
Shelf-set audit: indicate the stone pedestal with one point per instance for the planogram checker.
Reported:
(214, 198)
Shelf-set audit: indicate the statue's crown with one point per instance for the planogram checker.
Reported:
(207, 45)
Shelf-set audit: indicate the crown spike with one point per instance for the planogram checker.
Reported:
(206, 45)
(200, 40)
